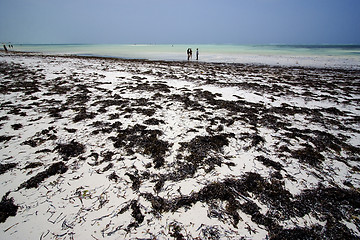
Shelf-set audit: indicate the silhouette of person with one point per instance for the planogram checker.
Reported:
(188, 54)
(5, 48)
(197, 54)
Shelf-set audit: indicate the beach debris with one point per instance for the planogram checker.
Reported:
(333, 204)
(70, 130)
(136, 214)
(19, 78)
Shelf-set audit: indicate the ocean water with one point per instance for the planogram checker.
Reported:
(336, 55)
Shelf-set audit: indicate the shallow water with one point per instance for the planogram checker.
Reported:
(303, 55)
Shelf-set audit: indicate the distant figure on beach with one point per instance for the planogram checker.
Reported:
(5, 48)
(189, 53)
(197, 54)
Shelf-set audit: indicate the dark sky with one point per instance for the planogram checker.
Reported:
(181, 21)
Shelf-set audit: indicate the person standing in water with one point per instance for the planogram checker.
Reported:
(197, 54)
(188, 53)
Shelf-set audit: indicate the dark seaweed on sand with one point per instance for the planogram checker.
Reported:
(33, 165)
(18, 79)
(139, 138)
(7, 166)
(332, 205)
(269, 163)
(136, 214)
(136, 182)
(83, 114)
(5, 138)
(55, 168)
(7, 208)
(204, 152)
(71, 149)
(154, 121)
(16, 126)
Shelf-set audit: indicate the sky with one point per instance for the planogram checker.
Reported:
(180, 21)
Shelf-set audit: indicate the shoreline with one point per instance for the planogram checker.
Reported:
(117, 148)
(291, 61)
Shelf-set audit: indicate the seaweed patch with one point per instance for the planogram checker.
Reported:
(6, 167)
(201, 149)
(7, 207)
(140, 138)
(72, 149)
(55, 168)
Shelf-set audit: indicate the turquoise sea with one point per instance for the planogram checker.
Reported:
(208, 53)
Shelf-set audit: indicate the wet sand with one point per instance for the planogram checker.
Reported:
(126, 149)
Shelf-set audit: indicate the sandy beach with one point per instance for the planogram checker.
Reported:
(102, 148)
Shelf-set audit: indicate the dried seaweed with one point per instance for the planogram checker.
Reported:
(308, 155)
(33, 165)
(16, 126)
(203, 150)
(153, 121)
(269, 163)
(175, 231)
(80, 97)
(136, 214)
(55, 168)
(55, 112)
(83, 114)
(7, 207)
(211, 233)
(5, 138)
(113, 176)
(136, 182)
(105, 127)
(71, 149)
(6, 167)
(138, 137)
(331, 204)
(23, 79)
(297, 233)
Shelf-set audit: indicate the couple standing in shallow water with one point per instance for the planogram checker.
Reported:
(189, 53)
